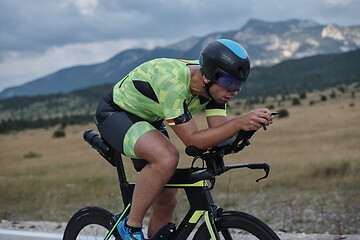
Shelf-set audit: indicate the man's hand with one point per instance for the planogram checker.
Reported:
(256, 119)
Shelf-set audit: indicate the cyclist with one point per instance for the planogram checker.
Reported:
(131, 119)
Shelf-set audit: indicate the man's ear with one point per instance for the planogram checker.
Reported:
(205, 79)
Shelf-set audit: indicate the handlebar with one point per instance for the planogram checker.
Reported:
(206, 174)
(223, 148)
(215, 162)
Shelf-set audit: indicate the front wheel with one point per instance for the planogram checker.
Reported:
(90, 223)
(238, 225)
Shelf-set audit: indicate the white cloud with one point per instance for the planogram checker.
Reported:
(86, 7)
(38, 39)
(338, 3)
(21, 67)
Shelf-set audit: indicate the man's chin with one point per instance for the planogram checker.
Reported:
(222, 101)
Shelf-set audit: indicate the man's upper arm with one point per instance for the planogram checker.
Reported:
(185, 130)
(216, 120)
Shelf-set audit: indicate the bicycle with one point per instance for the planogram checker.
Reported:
(197, 183)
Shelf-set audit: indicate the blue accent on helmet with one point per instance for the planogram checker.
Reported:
(235, 47)
(201, 60)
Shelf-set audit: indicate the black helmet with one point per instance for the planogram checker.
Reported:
(225, 57)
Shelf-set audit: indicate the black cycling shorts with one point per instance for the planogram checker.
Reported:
(121, 129)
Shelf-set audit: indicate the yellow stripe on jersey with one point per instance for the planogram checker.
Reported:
(215, 112)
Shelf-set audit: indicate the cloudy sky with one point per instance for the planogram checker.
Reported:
(39, 37)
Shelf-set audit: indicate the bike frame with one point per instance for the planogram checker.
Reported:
(193, 180)
(197, 192)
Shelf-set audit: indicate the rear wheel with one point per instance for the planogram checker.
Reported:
(238, 225)
(90, 223)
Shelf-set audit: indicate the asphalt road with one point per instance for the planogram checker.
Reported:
(28, 235)
(20, 235)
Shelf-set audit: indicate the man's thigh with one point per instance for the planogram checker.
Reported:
(122, 130)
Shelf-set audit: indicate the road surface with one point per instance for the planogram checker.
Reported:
(20, 235)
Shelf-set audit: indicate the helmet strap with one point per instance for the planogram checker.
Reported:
(207, 88)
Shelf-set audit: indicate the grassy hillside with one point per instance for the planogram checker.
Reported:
(336, 71)
(313, 184)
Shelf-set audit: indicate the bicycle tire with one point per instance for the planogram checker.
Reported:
(90, 223)
(238, 225)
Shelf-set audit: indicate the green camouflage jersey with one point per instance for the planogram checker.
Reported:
(160, 89)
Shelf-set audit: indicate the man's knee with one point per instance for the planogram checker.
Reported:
(158, 151)
(167, 161)
(170, 159)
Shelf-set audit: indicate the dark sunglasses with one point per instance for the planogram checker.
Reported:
(229, 82)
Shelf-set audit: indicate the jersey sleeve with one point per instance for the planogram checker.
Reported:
(182, 118)
(173, 104)
(215, 109)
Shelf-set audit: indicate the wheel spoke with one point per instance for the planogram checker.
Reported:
(236, 226)
(90, 223)
(226, 234)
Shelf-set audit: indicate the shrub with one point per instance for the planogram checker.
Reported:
(333, 95)
(342, 89)
(270, 107)
(238, 103)
(352, 94)
(59, 133)
(32, 154)
(283, 113)
(302, 95)
(295, 101)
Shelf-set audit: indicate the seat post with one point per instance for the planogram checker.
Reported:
(126, 188)
(119, 167)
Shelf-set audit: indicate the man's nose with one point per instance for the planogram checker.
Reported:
(233, 93)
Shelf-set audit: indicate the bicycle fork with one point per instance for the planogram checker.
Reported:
(118, 218)
(210, 218)
(169, 231)
(202, 204)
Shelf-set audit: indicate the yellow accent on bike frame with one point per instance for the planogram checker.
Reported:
(196, 216)
(208, 225)
(197, 184)
(117, 222)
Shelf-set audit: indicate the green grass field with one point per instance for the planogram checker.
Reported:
(313, 185)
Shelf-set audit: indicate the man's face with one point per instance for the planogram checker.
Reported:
(221, 95)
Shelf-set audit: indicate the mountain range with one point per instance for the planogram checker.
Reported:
(325, 75)
(267, 43)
